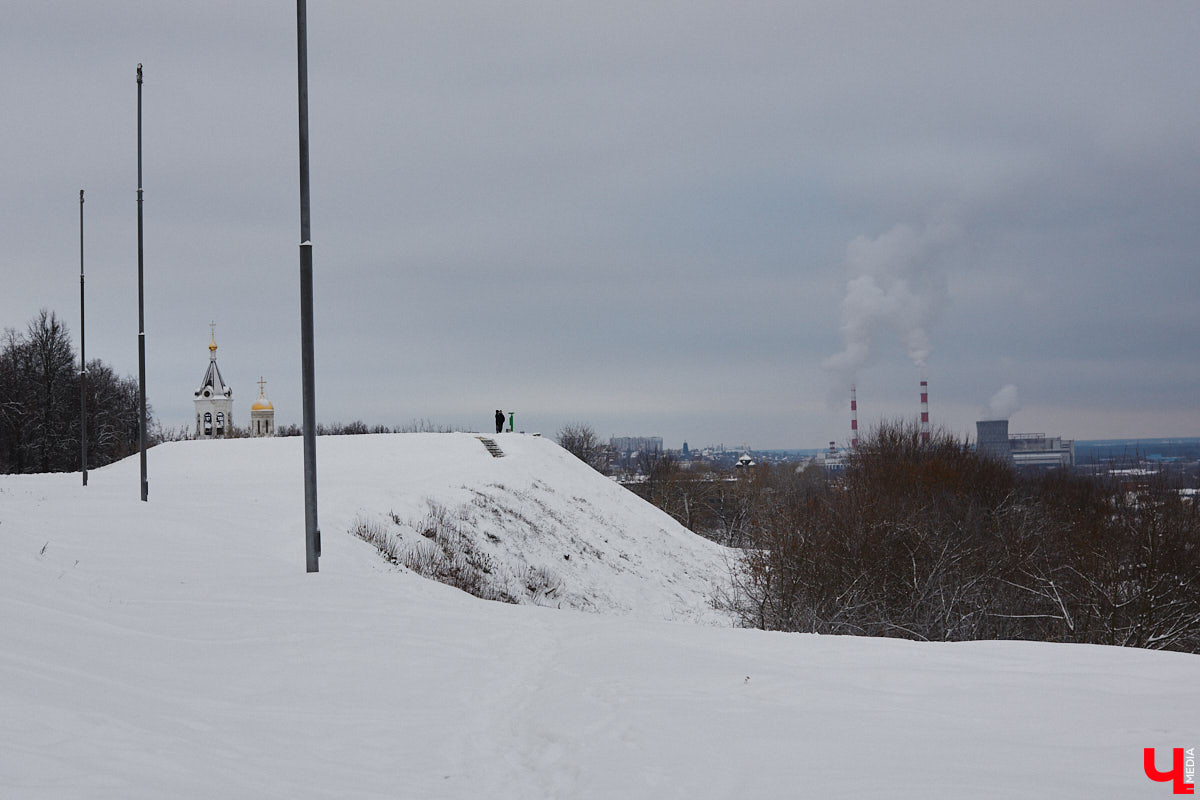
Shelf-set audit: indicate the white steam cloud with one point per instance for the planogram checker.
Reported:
(1004, 403)
(895, 284)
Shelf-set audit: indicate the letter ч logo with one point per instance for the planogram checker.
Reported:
(1176, 775)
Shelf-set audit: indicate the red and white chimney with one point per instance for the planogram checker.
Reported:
(924, 412)
(853, 419)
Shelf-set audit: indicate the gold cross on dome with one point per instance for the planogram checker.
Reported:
(261, 386)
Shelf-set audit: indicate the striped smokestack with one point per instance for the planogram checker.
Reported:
(924, 412)
(853, 419)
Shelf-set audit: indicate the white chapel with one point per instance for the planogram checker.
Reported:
(262, 413)
(214, 400)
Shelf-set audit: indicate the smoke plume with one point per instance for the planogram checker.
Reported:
(896, 284)
(1004, 403)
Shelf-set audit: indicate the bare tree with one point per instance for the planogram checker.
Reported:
(926, 540)
(580, 440)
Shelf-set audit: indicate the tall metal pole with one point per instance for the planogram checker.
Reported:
(82, 356)
(312, 533)
(141, 313)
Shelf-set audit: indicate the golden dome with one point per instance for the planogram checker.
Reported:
(262, 403)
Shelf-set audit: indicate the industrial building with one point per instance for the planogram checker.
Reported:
(1026, 450)
(1040, 450)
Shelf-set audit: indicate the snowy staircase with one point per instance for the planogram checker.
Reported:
(491, 446)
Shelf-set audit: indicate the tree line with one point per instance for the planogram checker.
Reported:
(929, 540)
(40, 403)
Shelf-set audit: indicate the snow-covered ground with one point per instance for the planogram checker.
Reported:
(177, 649)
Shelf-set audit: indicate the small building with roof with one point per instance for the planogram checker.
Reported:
(262, 413)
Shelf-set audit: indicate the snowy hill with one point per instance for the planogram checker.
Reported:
(537, 525)
(177, 649)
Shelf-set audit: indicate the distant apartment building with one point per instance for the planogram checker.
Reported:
(629, 445)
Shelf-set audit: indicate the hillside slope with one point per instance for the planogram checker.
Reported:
(536, 525)
(538, 508)
(176, 648)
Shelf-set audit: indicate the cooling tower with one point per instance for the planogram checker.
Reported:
(992, 439)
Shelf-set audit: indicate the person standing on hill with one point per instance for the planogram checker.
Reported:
(499, 420)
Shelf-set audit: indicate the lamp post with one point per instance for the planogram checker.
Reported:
(141, 314)
(82, 357)
(312, 533)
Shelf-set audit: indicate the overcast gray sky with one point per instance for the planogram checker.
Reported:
(690, 219)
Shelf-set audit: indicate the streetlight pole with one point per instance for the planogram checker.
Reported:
(312, 533)
(141, 313)
(82, 356)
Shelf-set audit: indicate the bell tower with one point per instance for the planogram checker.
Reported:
(214, 400)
